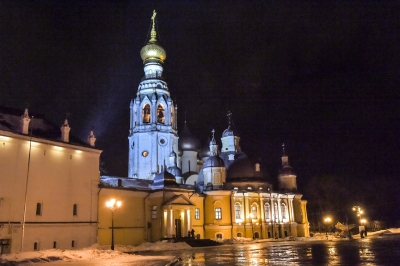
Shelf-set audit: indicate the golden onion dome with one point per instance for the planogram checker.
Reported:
(153, 51)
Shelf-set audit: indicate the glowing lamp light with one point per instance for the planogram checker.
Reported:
(4, 138)
(113, 204)
(78, 151)
(58, 148)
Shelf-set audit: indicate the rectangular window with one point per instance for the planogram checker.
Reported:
(75, 210)
(218, 214)
(197, 214)
(238, 211)
(39, 209)
(267, 212)
(154, 212)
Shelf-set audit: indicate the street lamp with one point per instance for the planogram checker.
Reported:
(113, 204)
(358, 211)
(327, 221)
(251, 220)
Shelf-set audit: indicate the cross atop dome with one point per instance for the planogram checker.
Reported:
(153, 51)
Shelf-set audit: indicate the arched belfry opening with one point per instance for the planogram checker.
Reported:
(146, 113)
(160, 114)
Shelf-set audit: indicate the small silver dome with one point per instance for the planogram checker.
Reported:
(230, 131)
(214, 161)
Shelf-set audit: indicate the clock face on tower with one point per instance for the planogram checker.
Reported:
(145, 153)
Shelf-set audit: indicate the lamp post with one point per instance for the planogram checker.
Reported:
(251, 216)
(358, 211)
(113, 204)
(364, 226)
(327, 221)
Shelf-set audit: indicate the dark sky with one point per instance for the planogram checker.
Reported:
(321, 77)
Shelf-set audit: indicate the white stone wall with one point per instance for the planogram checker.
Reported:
(56, 175)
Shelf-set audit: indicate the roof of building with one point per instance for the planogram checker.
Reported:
(39, 126)
(187, 141)
(214, 161)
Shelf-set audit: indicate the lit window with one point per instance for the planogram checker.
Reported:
(218, 213)
(75, 210)
(254, 211)
(283, 210)
(238, 211)
(267, 211)
(160, 114)
(38, 208)
(154, 212)
(197, 214)
(146, 114)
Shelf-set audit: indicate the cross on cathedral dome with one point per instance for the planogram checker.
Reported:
(152, 50)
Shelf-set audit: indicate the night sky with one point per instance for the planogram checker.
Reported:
(320, 77)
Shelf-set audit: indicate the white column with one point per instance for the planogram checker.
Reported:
(168, 228)
(186, 227)
(279, 210)
(291, 210)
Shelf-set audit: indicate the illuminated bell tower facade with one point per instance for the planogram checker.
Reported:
(153, 133)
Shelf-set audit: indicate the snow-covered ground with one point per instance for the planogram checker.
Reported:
(102, 255)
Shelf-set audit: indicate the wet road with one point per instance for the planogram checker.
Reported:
(378, 250)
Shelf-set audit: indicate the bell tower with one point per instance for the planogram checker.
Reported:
(153, 133)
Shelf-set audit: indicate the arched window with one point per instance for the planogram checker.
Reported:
(35, 246)
(283, 210)
(238, 210)
(239, 234)
(146, 114)
(160, 114)
(267, 211)
(219, 236)
(254, 210)
(172, 115)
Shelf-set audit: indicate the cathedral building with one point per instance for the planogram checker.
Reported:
(175, 186)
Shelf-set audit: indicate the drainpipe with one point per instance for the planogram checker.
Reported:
(144, 217)
(26, 191)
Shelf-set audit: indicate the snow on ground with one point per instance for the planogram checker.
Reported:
(97, 255)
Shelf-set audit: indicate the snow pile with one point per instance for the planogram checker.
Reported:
(94, 253)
